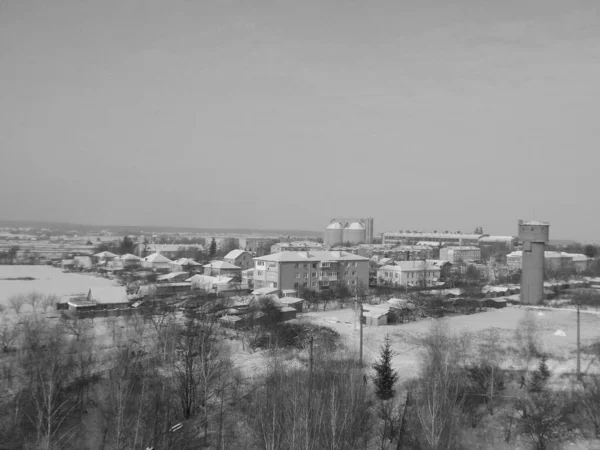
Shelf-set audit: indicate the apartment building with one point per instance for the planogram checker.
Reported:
(464, 253)
(316, 270)
(410, 273)
(553, 261)
(257, 245)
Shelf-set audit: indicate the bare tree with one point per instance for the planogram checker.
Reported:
(33, 298)
(49, 301)
(541, 416)
(75, 326)
(122, 382)
(335, 416)
(47, 367)
(9, 333)
(440, 387)
(527, 339)
(589, 400)
(16, 302)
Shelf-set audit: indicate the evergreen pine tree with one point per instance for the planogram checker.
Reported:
(537, 382)
(213, 248)
(385, 376)
(543, 368)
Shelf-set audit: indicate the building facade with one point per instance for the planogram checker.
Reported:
(223, 269)
(258, 245)
(410, 273)
(464, 253)
(315, 270)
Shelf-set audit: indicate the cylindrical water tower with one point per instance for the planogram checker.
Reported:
(355, 233)
(535, 236)
(334, 234)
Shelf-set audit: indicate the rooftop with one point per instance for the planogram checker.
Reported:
(233, 254)
(108, 295)
(156, 258)
(221, 265)
(534, 223)
(433, 235)
(409, 266)
(311, 256)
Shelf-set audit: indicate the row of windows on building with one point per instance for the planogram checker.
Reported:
(408, 274)
(314, 284)
(347, 273)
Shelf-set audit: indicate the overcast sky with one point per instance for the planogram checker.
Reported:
(424, 114)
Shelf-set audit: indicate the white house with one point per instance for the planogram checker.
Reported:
(410, 273)
(156, 261)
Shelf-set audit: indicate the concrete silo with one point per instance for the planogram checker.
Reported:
(355, 233)
(535, 236)
(334, 234)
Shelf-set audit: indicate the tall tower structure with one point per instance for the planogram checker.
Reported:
(535, 236)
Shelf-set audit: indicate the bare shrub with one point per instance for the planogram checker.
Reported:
(16, 302)
(527, 339)
(589, 401)
(541, 417)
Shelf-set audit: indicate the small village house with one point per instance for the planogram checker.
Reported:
(239, 258)
(156, 261)
(130, 261)
(111, 297)
(223, 269)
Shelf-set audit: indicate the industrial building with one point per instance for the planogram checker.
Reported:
(349, 232)
(320, 270)
(296, 246)
(535, 236)
(445, 238)
(499, 243)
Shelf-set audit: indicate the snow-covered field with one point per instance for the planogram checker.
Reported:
(48, 280)
(405, 337)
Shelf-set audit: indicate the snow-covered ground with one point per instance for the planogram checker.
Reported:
(405, 337)
(48, 280)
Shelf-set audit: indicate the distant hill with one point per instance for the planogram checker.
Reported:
(137, 229)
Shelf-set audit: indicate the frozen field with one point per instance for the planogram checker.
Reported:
(405, 337)
(48, 280)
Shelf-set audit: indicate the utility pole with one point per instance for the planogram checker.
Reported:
(360, 324)
(578, 342)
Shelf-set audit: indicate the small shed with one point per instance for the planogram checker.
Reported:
(289, 292)
(497, 303)
(66, 264)
(287, 313)
(173, 277)
(375, 317)
(230, 321)
(266, 291)
(83, 262)
(166, 289)
(293, 302)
